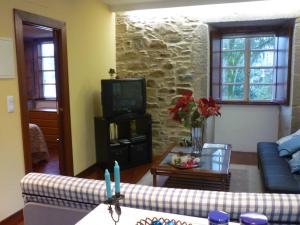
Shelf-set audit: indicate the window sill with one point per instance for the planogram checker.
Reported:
(248, 103)
(44, 99)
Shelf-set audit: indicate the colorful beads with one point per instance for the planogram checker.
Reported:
(157, 222)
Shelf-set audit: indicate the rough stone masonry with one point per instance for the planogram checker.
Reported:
(173, 57)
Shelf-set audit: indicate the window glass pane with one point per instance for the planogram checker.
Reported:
(48, 49)
(233, 92)
(233, 75)
(263, 43)
(233, 43)
(48, 63)
(261, 92)
(264, 58)
(49, 91)
(49, 77)
(233, 58)
(262, 76)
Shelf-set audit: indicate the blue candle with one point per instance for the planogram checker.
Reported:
(117, 177)
(107, 182)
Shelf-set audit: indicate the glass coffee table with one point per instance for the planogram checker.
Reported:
(212, 173)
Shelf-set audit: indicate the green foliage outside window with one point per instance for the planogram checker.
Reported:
(248, 61)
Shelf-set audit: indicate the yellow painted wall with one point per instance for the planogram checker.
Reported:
(91, 52)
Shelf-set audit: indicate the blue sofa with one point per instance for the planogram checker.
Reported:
(275, 170)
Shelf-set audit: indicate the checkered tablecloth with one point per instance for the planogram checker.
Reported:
(87, 194)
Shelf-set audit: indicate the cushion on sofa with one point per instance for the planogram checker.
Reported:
(296, 155)
(289, 147)
(288, 137)
(295, 163)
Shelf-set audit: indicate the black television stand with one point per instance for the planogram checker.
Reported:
(125, 116)
(126, 139)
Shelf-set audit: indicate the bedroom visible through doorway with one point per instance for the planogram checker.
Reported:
(44, 93)
(43, 126)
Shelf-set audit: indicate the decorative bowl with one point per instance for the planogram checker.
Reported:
(184, 161)
(160, 221)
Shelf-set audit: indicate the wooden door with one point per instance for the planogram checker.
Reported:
(64, 123)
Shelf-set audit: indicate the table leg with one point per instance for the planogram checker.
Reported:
(154, 180)
(228, 181)
(224, 183)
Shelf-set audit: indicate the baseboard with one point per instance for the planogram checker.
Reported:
(14, 219)
(87, 172)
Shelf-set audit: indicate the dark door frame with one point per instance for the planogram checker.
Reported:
(65, 142)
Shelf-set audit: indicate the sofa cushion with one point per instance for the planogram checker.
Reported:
(296, 155)
(282, 184)
(289, 147)
(295, 162)
(288, 137)
(297, 178)
(265, 150)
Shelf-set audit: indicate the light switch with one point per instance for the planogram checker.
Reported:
(10, 104)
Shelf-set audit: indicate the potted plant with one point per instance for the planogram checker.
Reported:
(193, 114)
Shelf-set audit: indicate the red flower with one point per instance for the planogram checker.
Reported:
(209, 107)
(182, 102)
(194, 112)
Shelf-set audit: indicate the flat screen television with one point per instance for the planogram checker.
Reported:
(123, 97)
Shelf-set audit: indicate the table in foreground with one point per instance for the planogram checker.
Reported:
(130, 216)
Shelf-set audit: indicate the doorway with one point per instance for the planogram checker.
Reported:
(44, 96)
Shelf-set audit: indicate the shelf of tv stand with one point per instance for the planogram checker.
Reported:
(125, 141)
(133, 153)
(129, 143)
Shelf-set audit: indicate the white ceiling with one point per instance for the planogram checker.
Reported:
(127, 5)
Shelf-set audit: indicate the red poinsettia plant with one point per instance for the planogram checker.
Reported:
(192, 112)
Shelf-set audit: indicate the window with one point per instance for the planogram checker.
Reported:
(250, 67)
(47, 70)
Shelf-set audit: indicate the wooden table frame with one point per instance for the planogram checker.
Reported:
(190, 178)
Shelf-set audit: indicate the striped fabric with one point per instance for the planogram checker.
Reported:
(87, 194)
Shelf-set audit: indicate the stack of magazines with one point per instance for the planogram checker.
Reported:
(211, 145)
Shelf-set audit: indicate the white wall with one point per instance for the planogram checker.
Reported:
(244, 126)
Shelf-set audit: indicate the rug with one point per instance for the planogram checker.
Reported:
(244, 178)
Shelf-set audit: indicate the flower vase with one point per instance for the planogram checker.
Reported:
(197, 140)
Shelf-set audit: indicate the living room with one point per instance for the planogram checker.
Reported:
(170, 49)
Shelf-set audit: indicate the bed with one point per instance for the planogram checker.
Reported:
(39, 149)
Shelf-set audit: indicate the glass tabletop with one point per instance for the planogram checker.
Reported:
(214, 159)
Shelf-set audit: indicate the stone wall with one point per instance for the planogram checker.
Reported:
(173, 57)
(289, 118)
(295, 96)
(172, 53)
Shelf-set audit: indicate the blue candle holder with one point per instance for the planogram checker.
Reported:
(115, 201)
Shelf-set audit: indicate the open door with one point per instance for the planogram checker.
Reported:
(51, 65)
